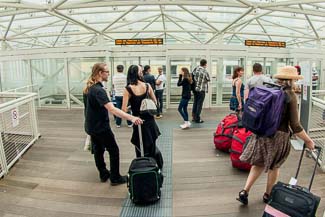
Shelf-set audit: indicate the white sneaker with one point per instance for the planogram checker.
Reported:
(131, 125)
(184, 126)
(189, 123)
(118, 126)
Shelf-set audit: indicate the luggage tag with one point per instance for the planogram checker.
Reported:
(293, 181)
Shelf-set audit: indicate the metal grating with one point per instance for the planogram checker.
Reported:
(164, 207)
(317, 124)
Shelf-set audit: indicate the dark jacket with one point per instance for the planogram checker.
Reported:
(186, 87)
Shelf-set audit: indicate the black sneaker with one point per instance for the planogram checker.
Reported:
(199, 121)
(119, 181)
(104, 176)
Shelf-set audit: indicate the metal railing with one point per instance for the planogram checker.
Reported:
(317, 124)
(28, 89)
(18, 127)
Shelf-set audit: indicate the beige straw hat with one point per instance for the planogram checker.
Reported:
(288, 72)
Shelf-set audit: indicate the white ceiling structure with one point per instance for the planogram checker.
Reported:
(26, 24)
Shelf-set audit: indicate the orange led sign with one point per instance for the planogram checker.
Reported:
(141, 41)
(259, 43)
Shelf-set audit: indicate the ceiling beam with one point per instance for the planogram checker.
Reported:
(35, 28)
(286, 3)
(245, 2)
(229, 25)
(24, 6)
(62, 30)
(191, 34)
(8, 28)
(81, 4)
(264, 30)
(163, 21)
(58, 4)
(283, 26)
(151, 22)
(118, 18)
(134, 21)
(310, 23)
(199, 18)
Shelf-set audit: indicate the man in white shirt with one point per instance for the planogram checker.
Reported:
(257, 79)
(119, 83)
(160, 85)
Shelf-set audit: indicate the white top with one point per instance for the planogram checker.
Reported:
(119, 82)
(162, 78)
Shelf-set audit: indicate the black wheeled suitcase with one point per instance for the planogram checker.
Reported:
(293, 200)
(144, 178)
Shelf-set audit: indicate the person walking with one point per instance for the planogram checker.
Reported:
(119, 83)
(269, 153)
(133, 94)
(98, 127)
(184, 80)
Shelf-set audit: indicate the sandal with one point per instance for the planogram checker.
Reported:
(266, 197)
(243, 197)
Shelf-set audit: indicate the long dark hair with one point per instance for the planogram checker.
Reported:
(94, 75)
(187, 75)
(133, 75)
(236, 72)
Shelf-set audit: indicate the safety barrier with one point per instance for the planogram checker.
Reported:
(317, 123)
(18, 127)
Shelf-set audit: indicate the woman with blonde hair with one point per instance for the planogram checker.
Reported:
(184, 80)
(97, 124)
(269, 153)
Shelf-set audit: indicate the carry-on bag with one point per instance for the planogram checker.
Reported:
(223, 136)
(293, 200)
(144, 178)
(239, 142)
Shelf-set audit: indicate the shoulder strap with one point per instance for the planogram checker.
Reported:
(129, 89)
(147, 90)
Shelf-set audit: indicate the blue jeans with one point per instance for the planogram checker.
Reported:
(182, 108)
(159, 96)
(197, 105)
(119, 101)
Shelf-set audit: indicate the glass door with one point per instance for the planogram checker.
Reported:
(175, 63)
(221, 77)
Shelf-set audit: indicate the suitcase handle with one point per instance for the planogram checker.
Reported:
(141, 141)
(300, 160)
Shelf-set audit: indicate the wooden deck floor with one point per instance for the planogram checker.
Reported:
(57, 178)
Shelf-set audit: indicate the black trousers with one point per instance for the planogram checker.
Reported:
(102, 142)
(197, 105)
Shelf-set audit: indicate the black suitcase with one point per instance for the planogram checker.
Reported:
(293, 200)
(144, 178)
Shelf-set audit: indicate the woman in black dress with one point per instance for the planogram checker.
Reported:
(134, 93)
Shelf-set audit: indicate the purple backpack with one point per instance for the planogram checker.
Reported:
(263, 110)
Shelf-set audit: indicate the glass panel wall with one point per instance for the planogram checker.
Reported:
(79, 71)
(49, 75)
(176, 63)
(14, 74)
(221, 71)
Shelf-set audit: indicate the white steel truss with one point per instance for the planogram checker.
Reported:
(60, 23)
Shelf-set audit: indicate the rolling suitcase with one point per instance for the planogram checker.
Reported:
(144, 178)
(293, 200)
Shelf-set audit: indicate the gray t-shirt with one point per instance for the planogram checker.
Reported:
(257, 80)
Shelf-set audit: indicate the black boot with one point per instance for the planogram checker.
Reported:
(243, 197)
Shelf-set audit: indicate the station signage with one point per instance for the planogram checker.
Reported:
(140, 41)
(259, 43)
